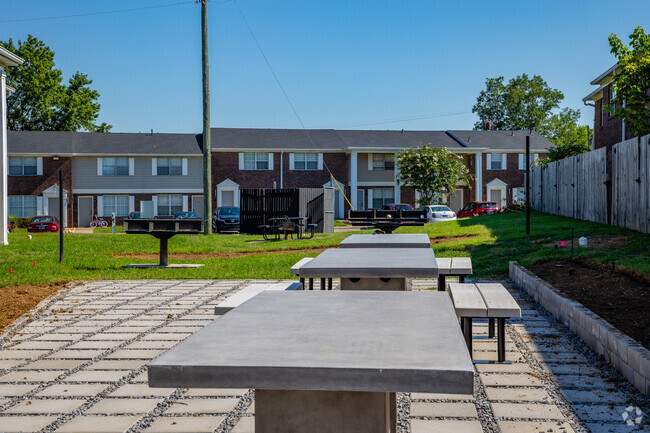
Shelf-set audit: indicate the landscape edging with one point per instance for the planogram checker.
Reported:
(624, 353)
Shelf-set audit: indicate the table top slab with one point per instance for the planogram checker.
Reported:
(387, 241)
(372, 262)
(326, 340)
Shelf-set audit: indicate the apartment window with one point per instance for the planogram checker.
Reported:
(496, 161)
(22, 166)
(612, 96)
(382, 196)
(170, 204)
(256, 161)
(169, 167)
(305, 161)
(383, 161)
(22, 206)
(115, 166)
(116, 203)
(522, 160)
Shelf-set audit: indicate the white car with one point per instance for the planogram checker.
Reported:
(437, 213)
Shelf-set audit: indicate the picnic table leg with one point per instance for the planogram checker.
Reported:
(163, 251)
(311, 284)
(302, 281)
(468, 334)
(490, 327)
(461, 278)
(501, 339)
(322, 283)
(441, 283)
(329, 284)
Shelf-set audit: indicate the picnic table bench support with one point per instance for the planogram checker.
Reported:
(311, 284)
(298, 411)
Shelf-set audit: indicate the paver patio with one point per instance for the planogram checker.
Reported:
(80, 364)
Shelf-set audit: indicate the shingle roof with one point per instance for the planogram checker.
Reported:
(501, 139)
(93, 143)
(232, 139)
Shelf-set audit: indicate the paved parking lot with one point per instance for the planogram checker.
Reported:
(80, 366)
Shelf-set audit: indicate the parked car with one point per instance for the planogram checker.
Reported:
(45, 223)
(397, 206)
(225, 218)
(476, 208)
(134, 215)
(185, 215)
(439, 212)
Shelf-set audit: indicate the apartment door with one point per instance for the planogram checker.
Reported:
(53, 207)
(197, 205)
(456, 200)
(227, 198)
(495, 196)
(84, 211)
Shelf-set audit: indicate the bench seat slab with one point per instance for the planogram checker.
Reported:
(467, 300)
(498, 300)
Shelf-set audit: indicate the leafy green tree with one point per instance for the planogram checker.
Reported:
(632, 81)
(42, 102)
(431, 170)
(569, 137)
(522, 103)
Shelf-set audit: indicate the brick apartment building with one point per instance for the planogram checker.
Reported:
(115, 172)
(608, 130)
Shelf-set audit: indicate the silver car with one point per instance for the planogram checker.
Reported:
(438, 212)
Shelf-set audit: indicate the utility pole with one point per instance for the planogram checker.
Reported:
(528, 184)
(207, 148)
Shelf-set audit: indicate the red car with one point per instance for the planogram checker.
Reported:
(43, 224)
(397, 206)
(478, 208)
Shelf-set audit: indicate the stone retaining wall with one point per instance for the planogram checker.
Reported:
(624, 353)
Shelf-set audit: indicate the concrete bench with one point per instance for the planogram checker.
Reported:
(454, 266)
(249, 292)
(484, 300)
(295, 270)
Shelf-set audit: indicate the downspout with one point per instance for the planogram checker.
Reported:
(281, 169)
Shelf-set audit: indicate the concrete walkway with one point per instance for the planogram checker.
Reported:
(80, 366)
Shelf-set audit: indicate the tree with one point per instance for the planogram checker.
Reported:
(432, 171)
(42, 102)
(570, 139)
(632, 81)
(522, 103)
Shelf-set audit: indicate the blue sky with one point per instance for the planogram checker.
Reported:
(344, 64)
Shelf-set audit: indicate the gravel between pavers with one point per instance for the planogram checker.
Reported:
(121, 312)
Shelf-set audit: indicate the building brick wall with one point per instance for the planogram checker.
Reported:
(609, 131)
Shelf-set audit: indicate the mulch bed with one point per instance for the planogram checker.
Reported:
(18, 300)
(617, 296)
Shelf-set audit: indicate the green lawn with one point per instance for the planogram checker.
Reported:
(491, 241)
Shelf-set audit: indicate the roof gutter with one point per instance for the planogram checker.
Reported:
(456, 139)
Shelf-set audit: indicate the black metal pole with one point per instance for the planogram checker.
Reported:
(528, 184)
(61, 216)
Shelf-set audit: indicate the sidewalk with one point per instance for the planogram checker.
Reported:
(80, 366)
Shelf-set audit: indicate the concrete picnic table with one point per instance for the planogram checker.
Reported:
(387, 241)
(326, 361)
(370, 268)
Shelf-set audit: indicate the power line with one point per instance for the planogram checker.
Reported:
(286, 96)
(398, 119)
(108, 12)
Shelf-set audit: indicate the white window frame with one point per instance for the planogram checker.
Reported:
(165, 163)
(378, 161)
(386, 195)
(502, 159)
(305, 159)
(108, 208)
(22, 198)
(117, 163)
(22, 165)
(169, 205)
(522, 160)
(251, 161)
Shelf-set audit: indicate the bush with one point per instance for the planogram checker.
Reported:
(19, 223)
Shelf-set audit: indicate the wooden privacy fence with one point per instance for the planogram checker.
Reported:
(596, 186)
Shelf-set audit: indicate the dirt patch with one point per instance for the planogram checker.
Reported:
(18, 300)
(607, 242)
(198, 256)
(617, 296)
(444, 239)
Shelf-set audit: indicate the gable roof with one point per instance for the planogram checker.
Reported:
(68, 143)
